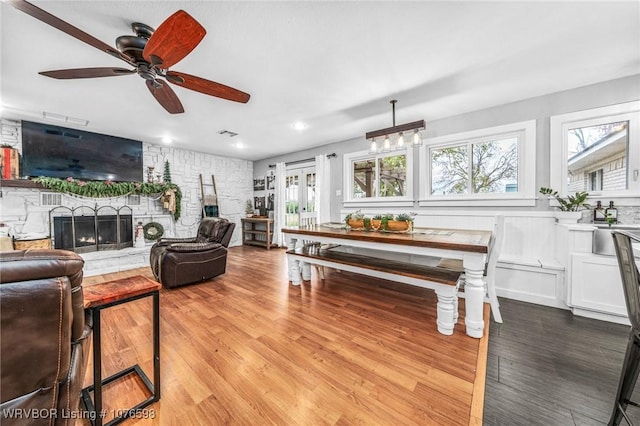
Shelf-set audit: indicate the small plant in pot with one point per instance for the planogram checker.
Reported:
(248, 208)
(355, 220)
(401, 222)
(570, 206)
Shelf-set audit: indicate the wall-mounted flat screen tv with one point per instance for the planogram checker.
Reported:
(55, 151)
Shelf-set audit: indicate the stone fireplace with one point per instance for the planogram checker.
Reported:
(85, 229)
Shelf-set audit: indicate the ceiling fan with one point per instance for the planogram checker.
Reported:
(150, 52)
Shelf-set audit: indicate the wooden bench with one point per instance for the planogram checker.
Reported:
(445, 282)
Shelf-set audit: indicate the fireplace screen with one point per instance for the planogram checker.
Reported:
(85, 233)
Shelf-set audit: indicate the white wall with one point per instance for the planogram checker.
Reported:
(540, 109)
(233, 184)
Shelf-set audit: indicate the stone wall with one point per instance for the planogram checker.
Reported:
(27, 211)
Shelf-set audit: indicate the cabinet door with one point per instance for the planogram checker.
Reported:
(596, 284)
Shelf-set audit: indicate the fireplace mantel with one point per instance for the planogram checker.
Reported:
(20, 183)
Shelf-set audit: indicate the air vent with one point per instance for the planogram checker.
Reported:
(228, 133)
(64, 118)
(50, 199)
(133, 200)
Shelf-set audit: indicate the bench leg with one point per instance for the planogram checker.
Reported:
(294, 272)
(320, 270)
(446, 311)
(306, 271)
(455, 308)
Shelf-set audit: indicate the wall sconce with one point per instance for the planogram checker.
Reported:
(389, 141)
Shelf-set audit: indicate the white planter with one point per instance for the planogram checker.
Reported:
(568, 217)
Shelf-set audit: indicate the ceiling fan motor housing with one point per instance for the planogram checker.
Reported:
(133, 46)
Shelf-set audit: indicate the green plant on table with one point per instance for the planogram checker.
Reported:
(357, 215)
(405, 217)
(609, 219)
(248, 208)
(572, 203)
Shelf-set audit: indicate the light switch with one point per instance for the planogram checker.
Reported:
(338, 192)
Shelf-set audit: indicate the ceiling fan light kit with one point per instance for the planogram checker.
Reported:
(399, 143)
(151, 53)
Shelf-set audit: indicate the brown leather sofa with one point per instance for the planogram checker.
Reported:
(180, 261)
(45, 337)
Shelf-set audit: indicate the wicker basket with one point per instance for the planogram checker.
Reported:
(43, 243)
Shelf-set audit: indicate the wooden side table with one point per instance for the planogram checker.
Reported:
(102, 296)
(257, 235)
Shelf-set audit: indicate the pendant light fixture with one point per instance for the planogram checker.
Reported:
(390, 132)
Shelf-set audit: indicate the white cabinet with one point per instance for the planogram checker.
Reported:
(596, 288)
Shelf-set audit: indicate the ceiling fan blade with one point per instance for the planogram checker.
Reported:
(67, 28)
(207, 87)
(86, 73)
(178, 35)
(165, 96)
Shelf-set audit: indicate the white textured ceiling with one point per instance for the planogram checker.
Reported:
(332, 65)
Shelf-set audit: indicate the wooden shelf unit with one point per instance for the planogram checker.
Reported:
(257, 231)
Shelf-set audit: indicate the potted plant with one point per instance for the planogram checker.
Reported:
(248, 208)
(355, 220)
(401, 222)
(570, 206)
(376, 222)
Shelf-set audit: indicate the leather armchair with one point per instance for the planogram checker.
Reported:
(180, 261)
(45, 337)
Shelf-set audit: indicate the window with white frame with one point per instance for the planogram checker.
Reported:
(378, 178)
(597, 150)
(492, 166)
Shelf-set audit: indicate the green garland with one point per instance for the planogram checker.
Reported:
(104, 189)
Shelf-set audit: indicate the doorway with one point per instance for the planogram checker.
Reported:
(300, 195)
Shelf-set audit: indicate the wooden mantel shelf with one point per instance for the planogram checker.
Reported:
(20, 183)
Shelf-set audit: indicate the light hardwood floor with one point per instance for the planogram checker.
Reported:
(249, 348)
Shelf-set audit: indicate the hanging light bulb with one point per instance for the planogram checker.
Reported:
(417, 138)
(373, 148)
(400, 143)
(386, 146)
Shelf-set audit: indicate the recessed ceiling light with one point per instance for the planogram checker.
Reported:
(239, 145)
(299, 125)
(167, 139)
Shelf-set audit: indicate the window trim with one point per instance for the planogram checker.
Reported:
(526, 195)
(403, 201)
(560, 124)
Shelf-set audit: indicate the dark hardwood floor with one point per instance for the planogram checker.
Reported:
(357, 355)
(548, 367)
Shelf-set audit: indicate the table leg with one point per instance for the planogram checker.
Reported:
(474, 296)
(156, 346)
(97, 368)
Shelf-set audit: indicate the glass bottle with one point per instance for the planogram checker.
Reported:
(599, 213)
(611, 213)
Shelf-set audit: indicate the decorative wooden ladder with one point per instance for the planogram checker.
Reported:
(209, 200)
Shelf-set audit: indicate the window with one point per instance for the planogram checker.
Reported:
(597, 151)
(595, 180)
(493, 166)
(385, 179)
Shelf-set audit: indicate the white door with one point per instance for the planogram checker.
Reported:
(300, 196)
